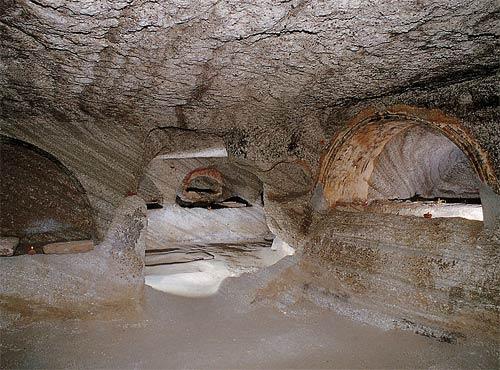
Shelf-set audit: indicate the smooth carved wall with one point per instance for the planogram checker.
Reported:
(422, 162)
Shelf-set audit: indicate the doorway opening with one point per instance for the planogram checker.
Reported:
(406, 161)
(211, 225)
(420, 172)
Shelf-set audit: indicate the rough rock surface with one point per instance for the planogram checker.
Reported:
(167, 176)
(40, 200)
(175, 226)
(445, 267)
(106, 86)
(110, 273)
(8, 245)
(246, 70)
(174, 256)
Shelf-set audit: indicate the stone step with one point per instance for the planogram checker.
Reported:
(77, 246)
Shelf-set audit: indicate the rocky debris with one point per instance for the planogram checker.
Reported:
(78, 246)
(8, 245)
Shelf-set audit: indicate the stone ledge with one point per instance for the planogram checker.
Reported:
(79, 246)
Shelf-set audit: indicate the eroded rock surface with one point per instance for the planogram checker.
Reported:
(425, 163)
(245, 70)
(110, 273)
(106, 86)
(40, 200)
(8, 245)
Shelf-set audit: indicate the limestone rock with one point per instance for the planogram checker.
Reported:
(8, 245)
(405, 168)
(201, 187)
(79, 246)
(175, 225)
(154, 258)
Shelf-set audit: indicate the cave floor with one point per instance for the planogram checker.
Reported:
(167, 331)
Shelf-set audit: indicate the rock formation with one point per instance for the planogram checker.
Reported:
(320, 107)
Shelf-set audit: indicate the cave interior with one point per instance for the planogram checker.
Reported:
(233, 184)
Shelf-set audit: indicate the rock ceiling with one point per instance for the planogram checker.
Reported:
(199, 64)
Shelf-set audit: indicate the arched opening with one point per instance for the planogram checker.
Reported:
(406, 154)
(208, 224)
(42, 204)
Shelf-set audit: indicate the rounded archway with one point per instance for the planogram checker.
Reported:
(404, 153)
(41, 200)
(348, 165)
(206, 222)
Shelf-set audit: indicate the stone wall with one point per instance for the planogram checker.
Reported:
(425, 163)
(40, 201)
(104, 159)
(105, 86)
(442, 271)
(168, 174)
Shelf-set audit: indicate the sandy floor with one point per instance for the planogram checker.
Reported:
(172, 332)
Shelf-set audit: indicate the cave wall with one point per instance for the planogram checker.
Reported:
(361, 264)
(440, 272)
(40, 201)
(422, 162)
(192, 228)
(262, 76)
(105, 86)
(168, 174)
(471, 98)
(436, 277)
(111, 274)
(104, 159)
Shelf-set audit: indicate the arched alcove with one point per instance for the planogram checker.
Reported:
(352, 169)
(40, 199)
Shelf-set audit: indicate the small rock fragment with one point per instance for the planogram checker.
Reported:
(8, 245)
